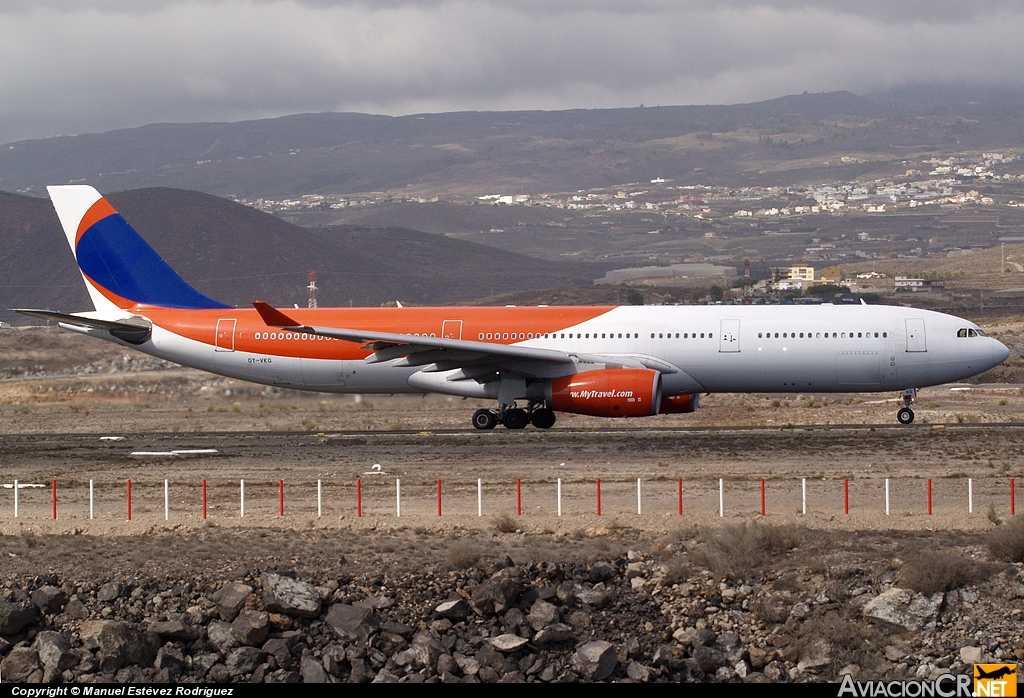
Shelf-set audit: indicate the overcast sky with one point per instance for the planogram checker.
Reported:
(77, 66)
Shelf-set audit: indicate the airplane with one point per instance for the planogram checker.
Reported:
(628, 361)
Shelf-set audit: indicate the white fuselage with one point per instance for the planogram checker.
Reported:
(807, 348)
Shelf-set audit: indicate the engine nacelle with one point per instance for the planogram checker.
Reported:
(679, 404)
(610, 392)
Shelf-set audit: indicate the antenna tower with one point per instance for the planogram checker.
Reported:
(312, 289)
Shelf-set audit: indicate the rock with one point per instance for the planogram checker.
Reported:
(595, 661)
(467, 665)
(639, 672)
(709, 659)
(496, 595)
(49, 599)
(289, 596)
(542, 614)
(243, 660)
(457, 610)
(76, 609)
(427, 648)
(110, 591)
(598, 598)
(174, 630)
(601, 572)
(220, 637)
(22, 665)
(705, 637)
(119, 644)
(170, 659)
(758, 658)
(972, 655)
(351, 623)
(14, 617)
(278, 649)
(54, 651)
(559, 632)
(906, 608)
(816, 657)
(508, 643)
(251, 627)
(231, 599)
(312, 671)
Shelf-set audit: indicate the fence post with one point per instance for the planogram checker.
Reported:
(846, 495)
(680, 496)
(204, 499)
(359, 498)
(762, 497)
(559, 496)
(167, 501)
(129, 500)
(598, 496)
(53, 494)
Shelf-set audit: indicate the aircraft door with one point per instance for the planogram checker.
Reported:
(451, 329)
(225, 335)
(730, 336)
(915, 335)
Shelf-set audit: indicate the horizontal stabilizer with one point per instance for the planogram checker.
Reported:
(128, 331)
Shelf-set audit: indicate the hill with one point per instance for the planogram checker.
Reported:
(780, 141)
(237, 254)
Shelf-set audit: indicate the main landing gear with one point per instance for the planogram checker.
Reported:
(512, 417)
(906, 415)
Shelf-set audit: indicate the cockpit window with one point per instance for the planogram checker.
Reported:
(981, 333)
(972, 333)
(962, 332)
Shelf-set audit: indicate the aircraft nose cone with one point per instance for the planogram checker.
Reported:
(1000, 352)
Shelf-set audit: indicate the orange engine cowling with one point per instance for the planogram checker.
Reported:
(679, 404)
(610, 392)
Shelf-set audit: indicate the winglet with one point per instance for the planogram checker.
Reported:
(274, 317)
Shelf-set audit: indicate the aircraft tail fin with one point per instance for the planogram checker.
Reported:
(120, 269)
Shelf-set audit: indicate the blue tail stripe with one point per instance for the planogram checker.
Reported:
(115, 257)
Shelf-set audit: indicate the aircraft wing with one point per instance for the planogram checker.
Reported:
(476, 360)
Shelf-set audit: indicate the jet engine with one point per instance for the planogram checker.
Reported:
(610, 392)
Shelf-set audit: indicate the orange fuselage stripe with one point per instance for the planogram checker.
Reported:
(202, 326)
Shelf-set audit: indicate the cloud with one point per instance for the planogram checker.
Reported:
(74, 66)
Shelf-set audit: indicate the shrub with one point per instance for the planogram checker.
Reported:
(934, 571)
(1007, 541)
(505, 524)
(738, 549)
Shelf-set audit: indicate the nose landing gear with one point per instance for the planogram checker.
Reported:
(905, 414)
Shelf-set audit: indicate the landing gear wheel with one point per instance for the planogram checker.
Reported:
(543, 418)
(515, 419)
(905, 415)
(484, 419)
